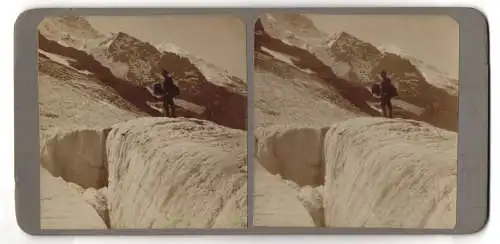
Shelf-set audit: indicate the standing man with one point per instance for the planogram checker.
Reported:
(388, 91)
(170, 91)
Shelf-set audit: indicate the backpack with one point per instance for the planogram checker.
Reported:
(158, 89)
(175, 91)
(392, 91)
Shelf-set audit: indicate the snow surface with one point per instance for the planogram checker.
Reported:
(390, 174)
(275, 203)
(364, 172)
(176, 173)
(62, 206)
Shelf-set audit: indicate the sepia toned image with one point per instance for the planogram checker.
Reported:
(355, 121)
(142, 122)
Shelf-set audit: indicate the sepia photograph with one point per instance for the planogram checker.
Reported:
(355, 121)
(143, 122)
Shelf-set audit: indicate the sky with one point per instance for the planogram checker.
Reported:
(219, 39)
(433, 39)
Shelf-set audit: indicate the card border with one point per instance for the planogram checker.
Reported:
(474, 115)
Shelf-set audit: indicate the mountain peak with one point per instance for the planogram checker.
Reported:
(123, 35)
(74, 21)
(171, 48)
(75, 26)
(344, 36)
(295, 21)
(346, 43)
(121, 39)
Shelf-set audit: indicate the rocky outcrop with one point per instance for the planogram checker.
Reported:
(129, 58)
(176, 173)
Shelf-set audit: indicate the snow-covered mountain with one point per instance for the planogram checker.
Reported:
(213, 73)
(436, 77)
(70, 31)
(432, 75)
(350, 66)
(130, 66)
